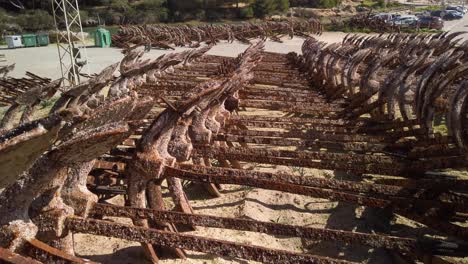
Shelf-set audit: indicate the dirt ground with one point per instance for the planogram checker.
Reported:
(257, 204)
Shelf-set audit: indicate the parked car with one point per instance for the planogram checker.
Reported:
(456, 8)
(438, 13)
(405, 21)
(464, 9)
(452, 14)
(430, 22)
(386, 17)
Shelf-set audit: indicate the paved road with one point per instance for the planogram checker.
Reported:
(43, 61)
(458, 25)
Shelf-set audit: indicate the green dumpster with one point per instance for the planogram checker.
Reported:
(102, 38)
(29, 40)
(42, 39)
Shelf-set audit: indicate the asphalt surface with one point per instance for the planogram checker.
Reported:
(458, 25)
(44, 61)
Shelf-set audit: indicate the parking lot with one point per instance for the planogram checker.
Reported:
(457, 25)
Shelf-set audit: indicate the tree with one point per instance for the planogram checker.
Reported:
(153, 5)
(151, 11)
(35, 20)
(246, 12)
(262, 8)
(282, 5)
(120, 5)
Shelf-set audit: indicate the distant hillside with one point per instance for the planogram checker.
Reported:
(35, 15)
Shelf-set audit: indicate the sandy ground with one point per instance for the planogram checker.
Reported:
(257, 204)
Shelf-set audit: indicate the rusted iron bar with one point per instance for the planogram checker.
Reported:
(306, 135)
(164, 36)
(8, 257)
(300, 91)
(348, 142)
(257, 94)
(190, 242)
(375, 241)
(350, 186)
(376, 168)
(312, 109)
(283, 88)
(414, 192)
(278, 186)
(309, 155)
(432, 183)
(178, 87)
(431, 140)
(402, 204)
(281, 79)
(43, 252)
(435, 163)
(416, 211)
(356, 146)
(398, 124)
(300, 120)
(37, 78)
(435, 151)
(283, 68)
(297, 126)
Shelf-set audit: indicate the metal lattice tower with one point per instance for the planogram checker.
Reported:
(70, 40)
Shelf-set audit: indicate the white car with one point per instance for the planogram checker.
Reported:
(386, 17)
(459, 9)
(405, 21)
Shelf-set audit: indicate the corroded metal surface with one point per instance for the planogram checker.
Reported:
(9, 257)
(162, 36)
(48, 254)
(190, 242)
(395, 243)
(368, 107)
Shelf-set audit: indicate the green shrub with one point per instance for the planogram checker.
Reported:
(263, 8)
(379, 4)
(305, 12)
(427, 8)
(246, 13)
(282, 5)
(84, 15)
(35, 20)
(393, 4)
(329, 3)
(120, 5)
(213, 15)
(164, 15)
(3, 21)
(316, 3)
